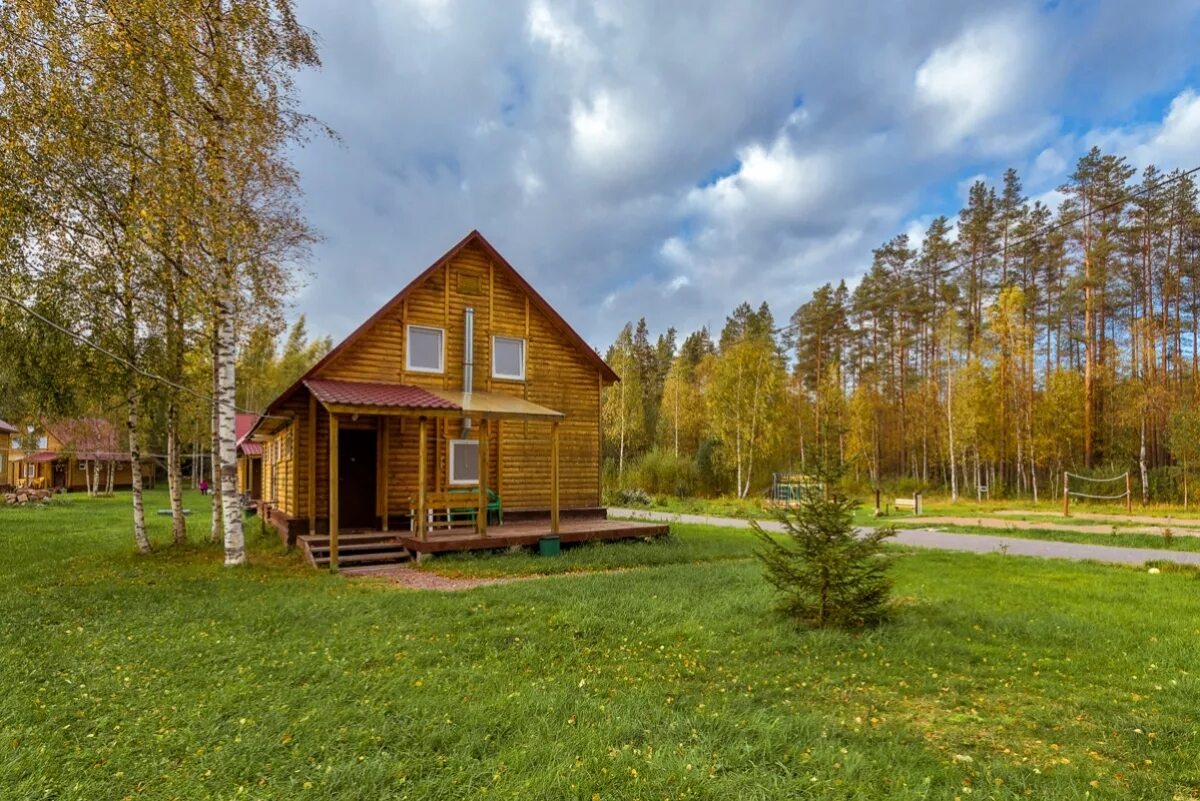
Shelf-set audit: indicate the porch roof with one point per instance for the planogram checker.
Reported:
(39, 456)
(359, 393)
(373, 398)
(495, 404)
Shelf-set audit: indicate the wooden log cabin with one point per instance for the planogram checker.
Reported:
(249, 458)
(464, 414)
(61, 454)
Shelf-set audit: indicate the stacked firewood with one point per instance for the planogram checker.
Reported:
(20, 497)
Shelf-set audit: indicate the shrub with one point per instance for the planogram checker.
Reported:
(632, 497)
(827, 574)
(662, 473)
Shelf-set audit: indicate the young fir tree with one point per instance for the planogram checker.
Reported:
(827, 573)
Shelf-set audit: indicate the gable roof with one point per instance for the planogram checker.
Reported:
(242, 425)
(475, 237)
(87, 437)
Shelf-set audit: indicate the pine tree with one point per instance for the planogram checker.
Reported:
(828, 574)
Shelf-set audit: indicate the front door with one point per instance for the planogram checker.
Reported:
(356, 478)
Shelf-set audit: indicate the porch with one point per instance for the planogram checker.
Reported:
(392, 467)
(364, 548)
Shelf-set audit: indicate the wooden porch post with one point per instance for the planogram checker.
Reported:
(481, 514)
(422, 458)
(333, 492)
(312, 464)
(383, 468)
(554, 477)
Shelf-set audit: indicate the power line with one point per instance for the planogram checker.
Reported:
(1048, 229)
(119, 359)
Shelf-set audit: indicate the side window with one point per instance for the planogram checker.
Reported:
(424, 349)
(508, 358)
(464, 461)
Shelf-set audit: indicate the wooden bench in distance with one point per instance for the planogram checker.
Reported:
(912, 504)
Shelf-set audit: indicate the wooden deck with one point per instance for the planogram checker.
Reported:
(529, 532)
(394, 547)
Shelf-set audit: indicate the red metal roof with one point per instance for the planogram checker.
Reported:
(7, 428)
(249, 448)
(86, 435)
(242, 424)
(356, 393)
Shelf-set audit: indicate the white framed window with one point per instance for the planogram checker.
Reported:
(508, 358)
(424, 351)
(464, 461)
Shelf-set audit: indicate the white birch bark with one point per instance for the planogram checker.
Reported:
(235, 542)
(950, 430)
(135, 473)
(175, 475)
(217, 532)
(1142, 465)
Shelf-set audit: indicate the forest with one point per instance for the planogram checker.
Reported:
(1010, 344)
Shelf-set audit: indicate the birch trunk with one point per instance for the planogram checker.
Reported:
(175, 476)
(218, 530)
(950, 430)
(235, 542)
(1142, 464)
(135, 473)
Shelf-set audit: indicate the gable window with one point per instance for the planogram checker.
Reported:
(464, 461)
(424, 351)
(508, 358)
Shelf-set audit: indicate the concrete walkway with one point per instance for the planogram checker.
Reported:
(972, 543)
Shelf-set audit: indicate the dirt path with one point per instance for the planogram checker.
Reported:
(410, 578)
(1037, 525)
(1160, 520)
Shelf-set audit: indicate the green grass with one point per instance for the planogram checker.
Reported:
(686, 544)
(171, 677)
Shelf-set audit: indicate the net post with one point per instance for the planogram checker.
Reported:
(1128, 493)
(1066, 497)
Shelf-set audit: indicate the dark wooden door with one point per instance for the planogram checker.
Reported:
(256, 479)
(356, 478)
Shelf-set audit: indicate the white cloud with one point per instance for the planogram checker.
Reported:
(559, 33)
(978, 77)
(576, 134)
(1173, 141)
(602, 131)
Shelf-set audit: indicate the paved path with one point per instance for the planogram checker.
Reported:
(973, 543)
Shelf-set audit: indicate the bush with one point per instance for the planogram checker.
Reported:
(662, 473)
(827, 575)
(631, 497)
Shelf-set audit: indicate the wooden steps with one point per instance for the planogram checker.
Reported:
(366, 548)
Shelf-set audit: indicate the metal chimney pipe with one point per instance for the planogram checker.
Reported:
(468, 383)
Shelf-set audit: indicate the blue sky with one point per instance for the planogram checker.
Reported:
(631, 159)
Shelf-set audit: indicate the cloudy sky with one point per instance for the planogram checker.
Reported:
(673, 159)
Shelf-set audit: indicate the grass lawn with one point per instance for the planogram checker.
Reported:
(171, 677)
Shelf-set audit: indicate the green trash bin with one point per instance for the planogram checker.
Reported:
(548, 546)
